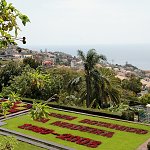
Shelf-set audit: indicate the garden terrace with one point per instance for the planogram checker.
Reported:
(82, 132)
(17, 107)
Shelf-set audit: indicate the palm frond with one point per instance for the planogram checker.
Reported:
(81, 55)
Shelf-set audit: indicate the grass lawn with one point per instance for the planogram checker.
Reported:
(24, 146)
(121, 140)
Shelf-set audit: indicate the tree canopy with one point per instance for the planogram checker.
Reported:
(9, 28)
(133, 84)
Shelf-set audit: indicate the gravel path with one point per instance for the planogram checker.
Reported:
(144, 145)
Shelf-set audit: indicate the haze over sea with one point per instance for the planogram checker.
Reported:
(135, 54)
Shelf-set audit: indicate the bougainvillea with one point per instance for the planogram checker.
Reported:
(66, 117)
(114, 126)
(83, 128)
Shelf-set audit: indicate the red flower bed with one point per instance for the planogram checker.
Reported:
(79, 140)
(36, 129)
(28, 106)
(66, 117)
(18, 102)
(43, 120)
(114, 126)
(83, 129)
(12, 110)
(68, 137)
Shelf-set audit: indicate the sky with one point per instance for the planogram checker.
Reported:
(85, 22)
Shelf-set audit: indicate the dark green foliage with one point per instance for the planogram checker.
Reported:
(31, 62)
(109, 87)
(128, 115)
(89, 62)
(133, 84)
(34, 84)
(8, 72)
(145, 99)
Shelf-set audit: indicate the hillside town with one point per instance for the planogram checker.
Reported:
(60, 59)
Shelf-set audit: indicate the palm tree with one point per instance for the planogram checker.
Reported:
(97, 83)
(74, 85)
(89, 62)
(110, 87)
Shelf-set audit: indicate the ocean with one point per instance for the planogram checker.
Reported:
(135, 54)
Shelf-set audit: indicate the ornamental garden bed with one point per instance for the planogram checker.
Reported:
(16, 107)
(82, 132)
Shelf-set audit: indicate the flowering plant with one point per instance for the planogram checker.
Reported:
(36, 129)
(60, 116)
(83, 128)
(79, 140)
(114, 126)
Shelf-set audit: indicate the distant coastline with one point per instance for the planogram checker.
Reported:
(135, 54)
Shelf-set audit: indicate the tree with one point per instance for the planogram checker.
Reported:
(9, 71)
(105, 88)
(145, 99)
(31, 62)
(133, 84)
(109, 87)
(8, 23)
(74, 85)
(89, 62)
(34, 84)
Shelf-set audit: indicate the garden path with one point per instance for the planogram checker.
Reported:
(144, 145)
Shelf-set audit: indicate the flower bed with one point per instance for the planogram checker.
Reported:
(83, 128)
(79, 140)
(66, 117)
(68, 137)
(28, 106)
(36, 129)
(43, 120)
(114, 126)
(16, 107)
(12, 110)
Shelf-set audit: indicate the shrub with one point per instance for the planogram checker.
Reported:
(128, 115)
(8, 143)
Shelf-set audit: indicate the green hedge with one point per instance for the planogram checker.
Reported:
(79, 109)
